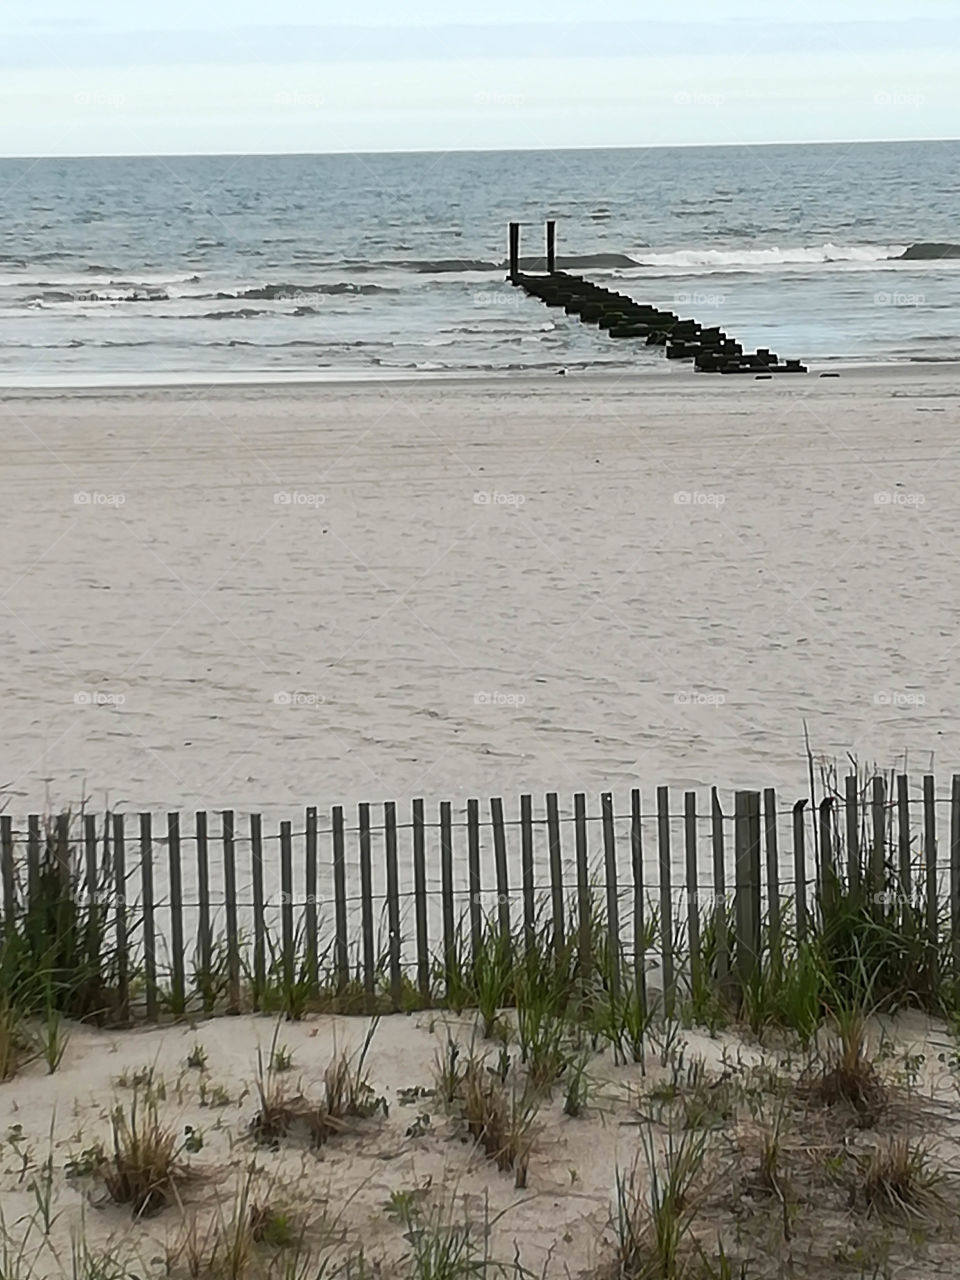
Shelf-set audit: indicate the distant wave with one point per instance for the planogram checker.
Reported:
(124, 292)
(772, 256)
(280, 292)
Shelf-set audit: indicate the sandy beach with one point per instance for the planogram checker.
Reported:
(270, 596)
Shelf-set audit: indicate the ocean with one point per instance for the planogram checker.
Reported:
(234, 267)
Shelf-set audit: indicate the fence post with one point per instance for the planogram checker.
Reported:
(310, 908)
(149, 931)
(930, 864)
(526, 871)
(774, 930)
(828, 871)
(613, 906)
(446, 882)
(204, 936)
(955, 874)
(420, 901)
(693, 887)
(851, 806)
(584, 946)
(6, 863)
(719, 890)
(259, 922)
(556, 869)
(286, 906)
(179, 994)
(366, 898)
(666, 896)
(639, 927)
(903, 833)
(230, 894)
(500, 861)
(800, 867)
(120, 887)
(393, 902)
(33, 855)
(747, 902)
(340, 946)
(879, 849)
(473, 873)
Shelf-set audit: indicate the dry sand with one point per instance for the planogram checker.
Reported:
(560, 1222)
(264, 597)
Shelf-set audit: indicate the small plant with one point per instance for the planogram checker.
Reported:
(652, 1225)
(273, 1227)
(281, 1059)
(899, 1180)
(499, 1121)
(144, 1169)
(214, 1095)
(197, 1058)
(53, 1039)
(577, 1086)
(86, 1163)
(847, 1075)
(12, 1041)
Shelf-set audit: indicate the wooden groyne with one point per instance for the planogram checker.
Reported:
(623, 318)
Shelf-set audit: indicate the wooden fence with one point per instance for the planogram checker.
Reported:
(389, 903)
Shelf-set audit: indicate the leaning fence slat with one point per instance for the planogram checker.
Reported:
(666, 895)
(556, 868)
(473, 873)
(341, 949)
(33, 856)
(228, 833)
(6, 863)
(526, 870)
(878, 856)
(613, 906)
(828, 872)
(90, 866)
(149, 923)
(366, 898)
(120, 917)
(955, 873)
(310, 923)
(420, 901)
(393, 902)
(930, 866)
(639, 928)
(500, 863)
(584, 912)
(446, 892)
(286, 905)
(719, 889)
(693, 887)
(851, 808)
(204, 935)
(903, 834)
(800, 867)
(771, 843)
(179, 985)
(259, 923)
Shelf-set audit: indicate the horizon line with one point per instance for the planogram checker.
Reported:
(394, 151)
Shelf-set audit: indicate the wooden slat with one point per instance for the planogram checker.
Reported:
(851, 808)
(556, 869)
(613, 905)
(666, 896)
(930, 867)
(33, 856)
(287, 956)
(955, 874)
(178, 976)
(878, 856)
(446, 894)
(500, 864)
(772, 848)
(526, 871)
(90, 877)
(693, 888)
(584, 943)
(903, 835)
(341, 946)
(149, 922)
(366, 899)
(800, 867)
(259, 923)
(420, 901)
(747, 840)
(204, 933)
(639, 905)
(393, 902)
(719, 889)
(828, 870)
(6, 872)
(473, 873)
(228, 831)
(311, 903)
(120, 917)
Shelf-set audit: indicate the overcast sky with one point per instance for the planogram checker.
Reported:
(81, 77)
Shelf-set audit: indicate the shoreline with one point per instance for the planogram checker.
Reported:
(679, 377)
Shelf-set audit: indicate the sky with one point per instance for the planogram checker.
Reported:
(109, 77)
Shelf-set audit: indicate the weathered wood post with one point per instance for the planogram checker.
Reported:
(747, 900)
(514, 251)
(551, 246)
